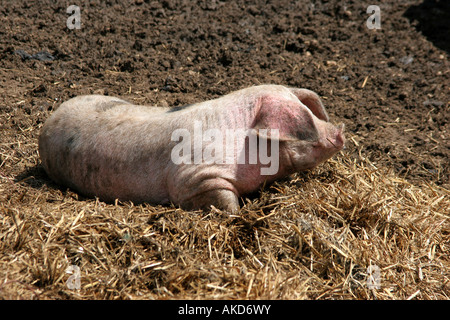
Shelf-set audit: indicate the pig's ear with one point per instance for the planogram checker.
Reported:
(312, 101)
(291, 122)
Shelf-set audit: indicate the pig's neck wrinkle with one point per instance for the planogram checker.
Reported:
(287, 164)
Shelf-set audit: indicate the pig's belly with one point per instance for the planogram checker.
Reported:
(110, 181)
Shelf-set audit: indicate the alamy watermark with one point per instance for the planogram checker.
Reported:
(74, 281)
(374, 21)
(373, 277)
(228, 146)
(74, 21)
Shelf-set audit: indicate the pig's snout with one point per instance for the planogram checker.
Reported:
(336, 137)
(331, 141)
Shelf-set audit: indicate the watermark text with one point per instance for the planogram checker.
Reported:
(228, 146)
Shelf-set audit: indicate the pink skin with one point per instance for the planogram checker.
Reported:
(107, 147)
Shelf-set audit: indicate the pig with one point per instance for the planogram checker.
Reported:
(106, 147)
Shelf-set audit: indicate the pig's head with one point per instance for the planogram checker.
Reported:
(306, 136)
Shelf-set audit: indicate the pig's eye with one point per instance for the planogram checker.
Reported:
(308, 135)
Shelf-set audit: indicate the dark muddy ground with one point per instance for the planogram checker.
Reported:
(389, 86)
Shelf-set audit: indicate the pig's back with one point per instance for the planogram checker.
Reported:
(99, 146)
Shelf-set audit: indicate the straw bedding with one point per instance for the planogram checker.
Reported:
(316, 235)
(372, 223)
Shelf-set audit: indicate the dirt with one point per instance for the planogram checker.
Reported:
(389, 86)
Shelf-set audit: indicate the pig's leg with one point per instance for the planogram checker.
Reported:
(222, 199)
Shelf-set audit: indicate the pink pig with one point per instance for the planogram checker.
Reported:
(209, 153)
